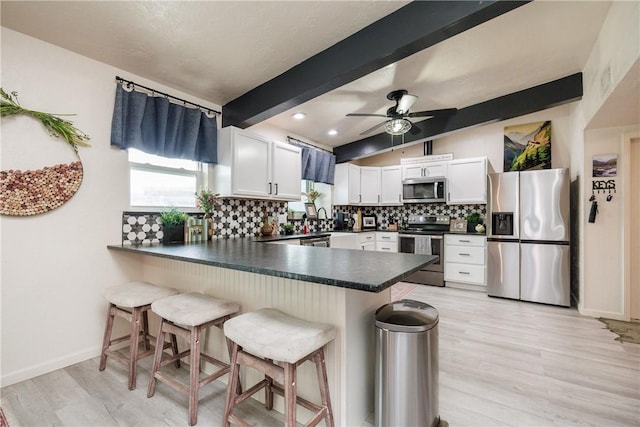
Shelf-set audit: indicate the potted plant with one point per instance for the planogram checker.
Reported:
(206, 201)
(473, 219)
(173, 225)
(288, 228)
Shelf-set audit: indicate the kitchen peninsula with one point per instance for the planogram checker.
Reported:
(338, 286)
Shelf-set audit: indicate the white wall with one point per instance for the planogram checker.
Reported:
(56, 265)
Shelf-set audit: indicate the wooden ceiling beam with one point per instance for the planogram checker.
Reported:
(558, 92)
(410, 29)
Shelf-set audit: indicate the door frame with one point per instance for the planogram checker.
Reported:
(626, 220)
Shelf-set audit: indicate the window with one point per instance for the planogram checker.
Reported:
(156, 181)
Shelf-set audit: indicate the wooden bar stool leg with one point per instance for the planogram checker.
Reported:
(321, 370)
(145, 330)
(157, 357)
(234, 381)
(290, 394)
(268, 390)
(195, 375)
(174, 348)
(230, 350)
(107, 336)
(133, 350)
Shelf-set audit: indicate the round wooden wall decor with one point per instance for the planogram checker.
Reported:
(34, 192)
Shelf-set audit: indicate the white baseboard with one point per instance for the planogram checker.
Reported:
(597, 313)
(467, 286)
(9, 378)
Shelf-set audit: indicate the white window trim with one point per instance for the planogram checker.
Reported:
(200, 175)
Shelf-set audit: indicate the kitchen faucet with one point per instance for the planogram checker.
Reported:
(322, 209)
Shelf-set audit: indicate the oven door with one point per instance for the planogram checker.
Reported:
(424, 244)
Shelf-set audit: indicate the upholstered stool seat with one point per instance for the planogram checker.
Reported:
(187, 315)
(261, 337)
(131, 301)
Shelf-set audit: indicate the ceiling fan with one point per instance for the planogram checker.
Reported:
(398, 122)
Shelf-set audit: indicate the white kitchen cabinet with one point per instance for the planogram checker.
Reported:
(367, 241)
(250, 165)
(346, 186)
(386, 241)
(391, 185)
(344, 241)
(465, 260)
(418, 168)
(467, 181)
(369, 186)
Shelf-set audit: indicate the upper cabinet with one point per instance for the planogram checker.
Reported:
(467, 181)
(391, 185)
(369, 185)
(250, 165)
(418, 168)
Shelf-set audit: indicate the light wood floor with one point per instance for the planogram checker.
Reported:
(502, 363)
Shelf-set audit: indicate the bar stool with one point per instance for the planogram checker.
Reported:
(187, 315)
(261, 337)
(131, 301)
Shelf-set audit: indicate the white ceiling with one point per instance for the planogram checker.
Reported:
(219, 50)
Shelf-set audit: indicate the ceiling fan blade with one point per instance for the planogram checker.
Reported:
(405, 103)
(371, 129)
(365, 115)
(415, 130)
(432, 113)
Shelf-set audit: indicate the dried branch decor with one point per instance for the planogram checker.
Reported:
(24, 193)
(55, 125)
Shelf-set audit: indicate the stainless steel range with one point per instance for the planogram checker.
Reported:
(425, 235)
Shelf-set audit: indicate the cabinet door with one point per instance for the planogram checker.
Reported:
(353, 195)
(370, 185)
(435, 169)
(412, 171)
(467, 181)
(391, 185)
(286, 171)
(369, 246)
(251, 165)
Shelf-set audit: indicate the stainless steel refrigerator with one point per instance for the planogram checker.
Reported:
(528, 236)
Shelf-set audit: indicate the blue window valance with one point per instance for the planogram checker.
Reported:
(317, 165)
(155, 125)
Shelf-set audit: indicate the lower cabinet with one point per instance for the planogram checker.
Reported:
(380, 241)
(465, 261)
(386, 241)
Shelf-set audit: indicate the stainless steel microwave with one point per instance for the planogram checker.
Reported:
(424, 190)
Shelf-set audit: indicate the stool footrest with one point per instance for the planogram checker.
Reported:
(274, 371)
(277, 388)
(170, 381)
(239, 421)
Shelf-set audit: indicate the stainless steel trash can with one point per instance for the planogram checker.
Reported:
(406, 365)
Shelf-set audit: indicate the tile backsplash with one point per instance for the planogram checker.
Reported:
(244, 217)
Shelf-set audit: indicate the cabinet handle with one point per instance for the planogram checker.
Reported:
(386, 249)
(360, 199)
(270, 188)
(464, 241)
(385, 237)
(448, 196)
(378, 198)
(464, 272)
(399, 198)
(276, 188)
(464, 254)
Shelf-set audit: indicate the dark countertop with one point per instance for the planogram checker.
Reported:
(276, 237)
(362, 270)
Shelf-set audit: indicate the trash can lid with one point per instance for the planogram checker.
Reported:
(406, 316)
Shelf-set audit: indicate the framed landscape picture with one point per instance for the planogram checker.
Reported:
(605, 165)
(527, 147)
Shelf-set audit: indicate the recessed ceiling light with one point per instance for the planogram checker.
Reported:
(299, 116)
(332, 132)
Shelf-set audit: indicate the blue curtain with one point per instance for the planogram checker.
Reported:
(317, 165)
(156, 126)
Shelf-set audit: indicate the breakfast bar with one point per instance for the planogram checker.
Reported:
(341, 287)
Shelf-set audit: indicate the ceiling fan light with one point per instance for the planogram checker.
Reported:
(397, 126)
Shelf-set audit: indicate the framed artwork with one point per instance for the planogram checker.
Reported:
(527, 147)
(605, 165)
(458, 226)
(310, 209)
